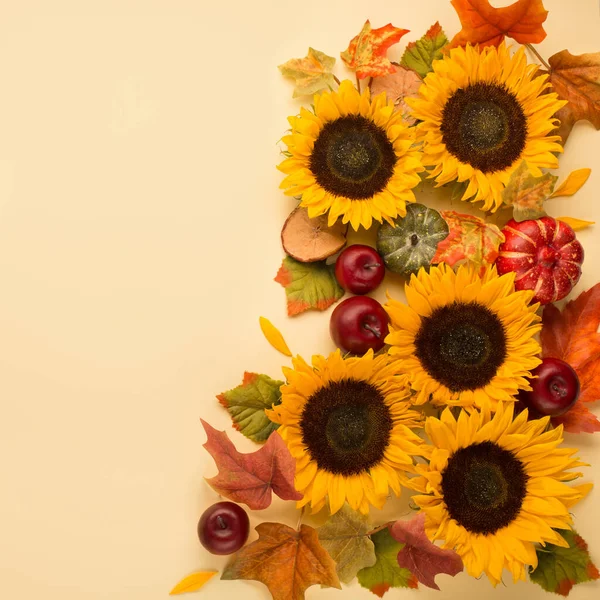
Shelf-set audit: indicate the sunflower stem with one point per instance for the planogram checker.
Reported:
(336, 79)
(531, 47)
(380, 528)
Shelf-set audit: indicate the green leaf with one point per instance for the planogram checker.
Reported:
(311, 73)
(247, 403)
(420, 55)
(308, 285)
(559, 569)
(386, 573)
(345, 537)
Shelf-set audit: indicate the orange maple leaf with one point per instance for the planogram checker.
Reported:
(487, 26)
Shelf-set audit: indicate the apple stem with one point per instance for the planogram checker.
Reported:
(221, 523)
(376, 333)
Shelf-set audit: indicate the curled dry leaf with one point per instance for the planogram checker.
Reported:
(398, 86)
(310, 240)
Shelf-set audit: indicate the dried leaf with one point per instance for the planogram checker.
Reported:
(572, 184)
(559, 569)
(386, 573)
(247, 403)
(273, 336)
(419, 55)
(308, 285)
(398, 86)
(420, 556)
(367, 52)
(345, 537)
(575, 224)
(470, 239)
(526, 193)
(578, 419)
(311, 73)
(192, 583)
(285, 560)
(250, 478)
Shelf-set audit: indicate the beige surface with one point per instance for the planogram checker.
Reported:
(139, 235)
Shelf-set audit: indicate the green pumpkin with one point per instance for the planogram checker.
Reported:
(411, 242)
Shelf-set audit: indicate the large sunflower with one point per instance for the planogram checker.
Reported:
(347, 422)
(494, 487)
(352, 157)
(464, 339)
(482, 113)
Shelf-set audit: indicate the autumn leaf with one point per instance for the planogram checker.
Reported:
(385, 573)
(398, 86)
(311, 73)
(250, 478)
(273, 336)
(285, 560)
(526, 193)
(419, 55)
(578, 419)
(345, 537)
(420, 556)
(559, 569)
(576, 224)
(247, 403)
(470, 239)
(487, 26)
(192, 583)
(572, 184)
(576, 78)
(308, 285)
(367, 52)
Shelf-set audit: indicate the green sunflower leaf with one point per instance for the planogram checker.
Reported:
(308, 285)
(345, 537)
(247, 403)
(559, 569)
(386, 573)
(311, 73)
(419, 55)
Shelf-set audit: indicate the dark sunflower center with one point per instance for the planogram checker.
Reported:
(352, 157)
(461, 345)
(484, 125)
(346, 426)
(484, 486)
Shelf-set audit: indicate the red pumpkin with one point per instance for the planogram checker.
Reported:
(545, 255)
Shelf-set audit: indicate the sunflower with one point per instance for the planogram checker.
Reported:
(352, 157)
(482, 113)
(347, 422)
(464, 339)
(494, 487)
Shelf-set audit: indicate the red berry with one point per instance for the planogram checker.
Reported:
(223, 528)
(359, 269)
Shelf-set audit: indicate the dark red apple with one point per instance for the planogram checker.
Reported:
(359, 269)
(555, 388)
(359, 324)
(223, 528)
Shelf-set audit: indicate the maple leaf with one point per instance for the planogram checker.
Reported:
(419, 55)
(578, 419)
(487, 26)
(311, 73)
(576, 78)
(385, 573)
(470, 239)
(250, 478)
(398, 86)
(345, 537)
(366, 53)
(285, 560)
(308, 285)
(559, 569)
(247, 403)
(420, 556)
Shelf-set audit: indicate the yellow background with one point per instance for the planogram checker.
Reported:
(139, 236)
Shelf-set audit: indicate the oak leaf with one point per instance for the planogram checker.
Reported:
(488, 26)
(526, 193)
(192, 583)
(311, 73)
(419, 55)
(250, 478)
(367, 52)
(420, 556)
(285, 560)
(398, 86)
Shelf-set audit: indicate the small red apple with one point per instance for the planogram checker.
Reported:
(359, 269)
(223, 528)
(359, 324)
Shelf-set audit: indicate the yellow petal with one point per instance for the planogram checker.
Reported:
(573, 183)
(192, 582)
(575, 224)
(273, 336)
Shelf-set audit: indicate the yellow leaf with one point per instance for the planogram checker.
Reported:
(274, 336)
(192, 583)
(573, 183)
(575, 224)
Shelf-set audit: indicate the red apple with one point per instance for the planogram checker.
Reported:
(359, 269)
(555, 388)
(359, 324)
(223, 528)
